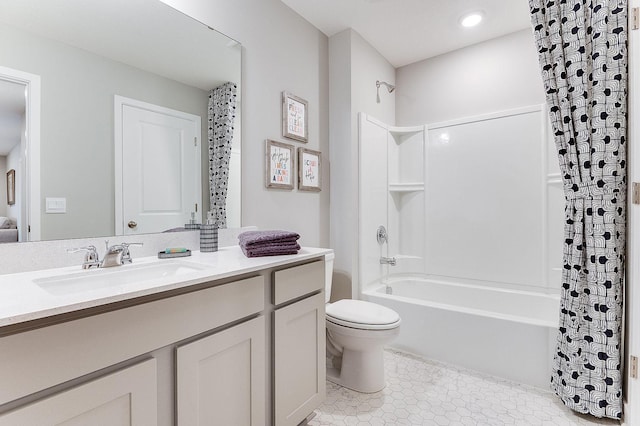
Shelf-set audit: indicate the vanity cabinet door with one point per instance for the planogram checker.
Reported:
(127, 397)
(221, 378)
(299, 360)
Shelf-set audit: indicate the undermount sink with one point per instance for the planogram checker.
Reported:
(93, 279)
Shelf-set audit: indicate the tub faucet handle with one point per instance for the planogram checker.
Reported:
(381, 235)
(388, 261)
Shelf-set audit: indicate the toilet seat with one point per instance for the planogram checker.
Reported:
(362, 315)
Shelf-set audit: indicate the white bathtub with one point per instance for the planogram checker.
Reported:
(505, 333)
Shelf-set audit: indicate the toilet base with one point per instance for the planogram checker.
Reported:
(361, 371)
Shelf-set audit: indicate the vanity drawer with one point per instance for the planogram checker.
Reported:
(291, 283)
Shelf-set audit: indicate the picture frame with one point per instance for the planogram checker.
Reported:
(309, 170)
(295, 117)
(11, 187)
(279, 165)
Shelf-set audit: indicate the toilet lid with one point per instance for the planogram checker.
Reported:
(361, 312)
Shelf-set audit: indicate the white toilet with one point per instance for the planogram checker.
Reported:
(356, 334)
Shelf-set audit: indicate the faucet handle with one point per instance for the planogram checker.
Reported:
(91, 250)
(90, 258)
(126, 254)
(388, 261)
(131, 244)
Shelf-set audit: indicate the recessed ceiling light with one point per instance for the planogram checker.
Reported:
(471, 19)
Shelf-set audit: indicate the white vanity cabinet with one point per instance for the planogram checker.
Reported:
(242, 348)
(126, 397)
(38, 368)
(221, 378)
(299, 342)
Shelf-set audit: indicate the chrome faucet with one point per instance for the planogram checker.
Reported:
(117, 255)
(90, 257)
(388, 261)
(112, 255)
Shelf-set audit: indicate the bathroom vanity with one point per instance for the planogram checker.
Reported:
(215, 338)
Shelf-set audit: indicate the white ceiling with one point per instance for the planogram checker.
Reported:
(407, 31)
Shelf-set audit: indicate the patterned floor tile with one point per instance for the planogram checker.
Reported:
(424, 392)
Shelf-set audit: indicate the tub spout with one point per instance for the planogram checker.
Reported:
(388, 261)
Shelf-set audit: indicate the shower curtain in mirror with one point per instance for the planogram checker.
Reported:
(222, 113)
(583, 55)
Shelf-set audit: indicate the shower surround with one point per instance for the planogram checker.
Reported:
(473, 210)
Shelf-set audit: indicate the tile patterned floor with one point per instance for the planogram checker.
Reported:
(423, 392)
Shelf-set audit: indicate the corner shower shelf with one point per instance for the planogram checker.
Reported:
(400, 134)
(406, 187)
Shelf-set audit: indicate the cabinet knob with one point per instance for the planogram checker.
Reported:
(132, 224)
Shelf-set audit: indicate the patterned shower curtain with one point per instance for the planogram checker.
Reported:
(583, 55)
(222, 113)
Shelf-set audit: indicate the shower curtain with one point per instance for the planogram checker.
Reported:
(583, 55)
(222, 113)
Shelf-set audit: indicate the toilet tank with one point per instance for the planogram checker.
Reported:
(328, 275)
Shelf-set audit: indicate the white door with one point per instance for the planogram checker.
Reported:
(26, 211)
(158, 162)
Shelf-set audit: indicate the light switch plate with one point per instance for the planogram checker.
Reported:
(55, 205)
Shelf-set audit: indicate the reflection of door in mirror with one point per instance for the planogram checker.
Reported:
(157, 167)
(19, 151)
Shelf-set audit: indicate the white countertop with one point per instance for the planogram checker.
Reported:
(22, 299)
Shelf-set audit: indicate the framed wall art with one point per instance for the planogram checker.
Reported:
(11, 187)
(294, 117)
(279, 165)
(309, 170)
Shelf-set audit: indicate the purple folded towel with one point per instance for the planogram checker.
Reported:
(270, 251)
(253, 238)
(268, 243)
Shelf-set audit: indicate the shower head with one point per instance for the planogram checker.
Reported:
(390, 88)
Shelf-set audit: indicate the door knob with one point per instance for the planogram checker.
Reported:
(132, 224)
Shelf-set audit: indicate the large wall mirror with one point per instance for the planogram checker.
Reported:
(65, 66)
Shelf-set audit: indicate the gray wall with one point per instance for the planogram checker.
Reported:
(495, 75)
(355, 67)
(77, 153)
(281, 52)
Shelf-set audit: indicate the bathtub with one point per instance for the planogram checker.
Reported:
(502, 332)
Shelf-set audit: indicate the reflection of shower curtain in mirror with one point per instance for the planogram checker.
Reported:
(222, 113)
